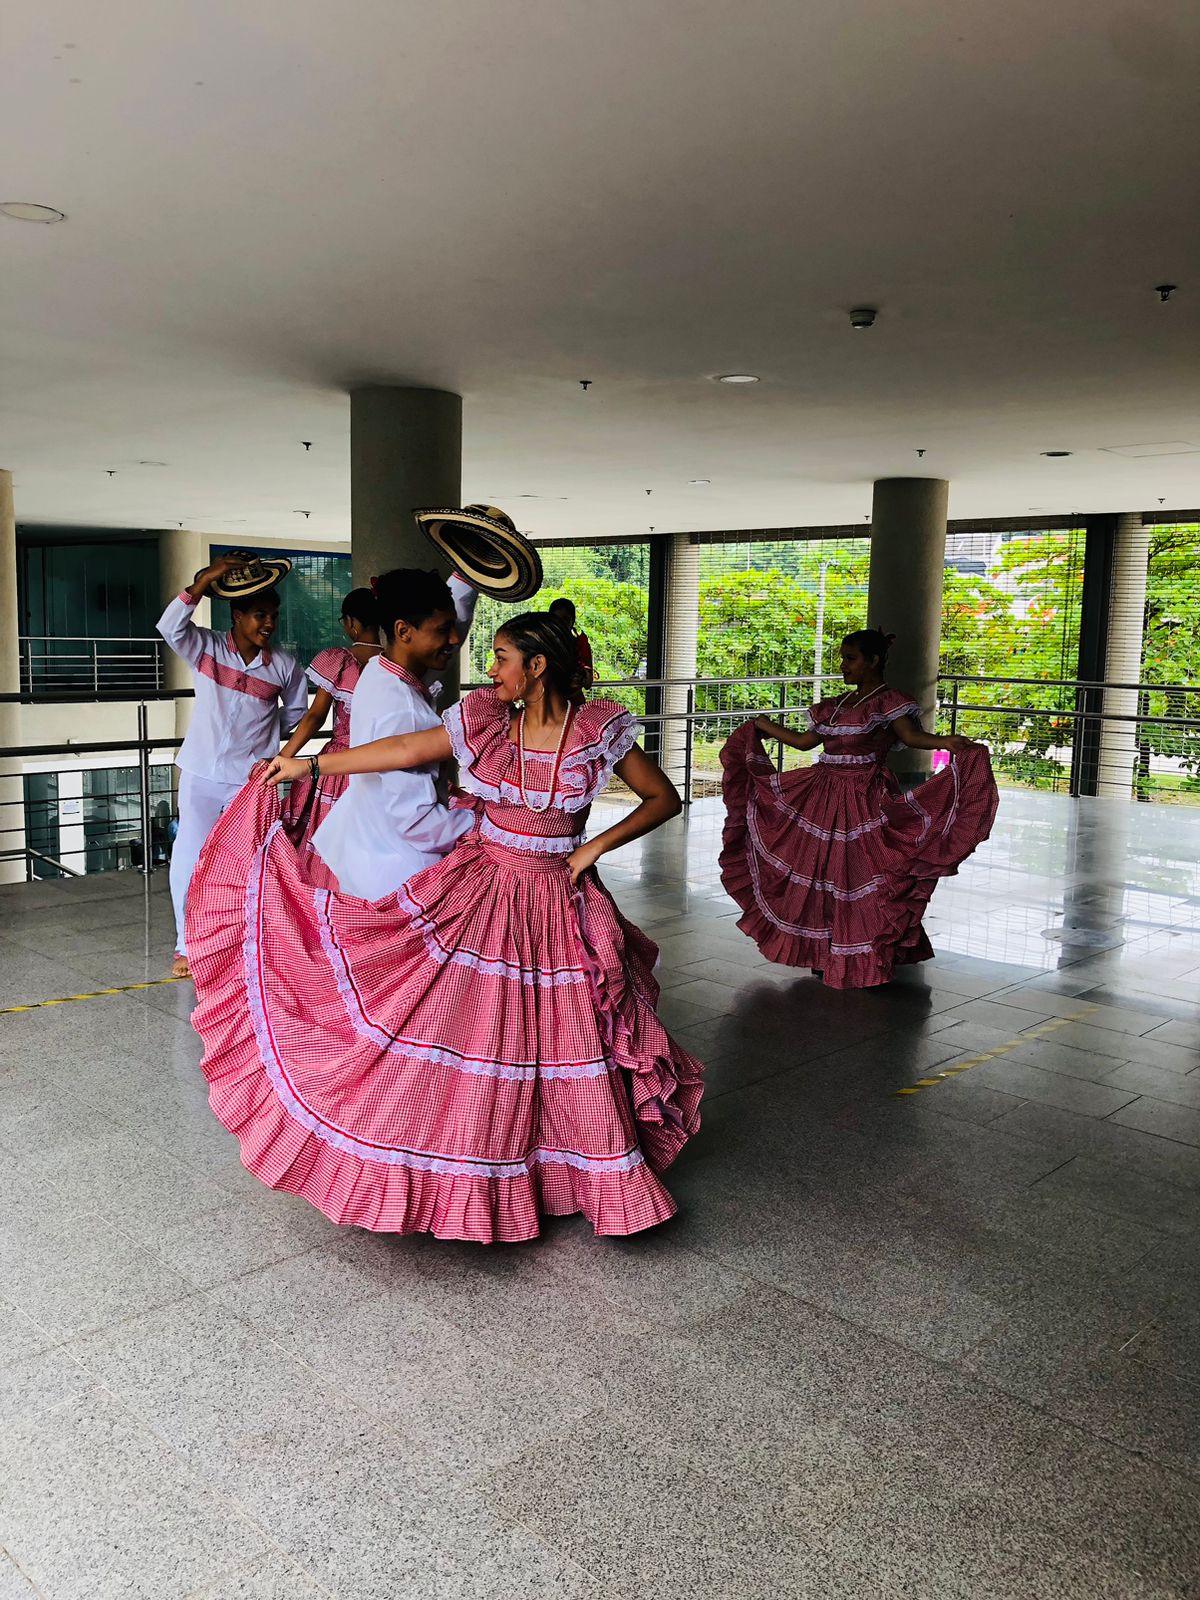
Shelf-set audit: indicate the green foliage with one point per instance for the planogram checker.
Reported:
(1171, 644)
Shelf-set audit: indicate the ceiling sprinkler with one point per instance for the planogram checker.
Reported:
(1164, 291)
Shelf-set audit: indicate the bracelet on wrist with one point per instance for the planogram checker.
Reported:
(314, 767)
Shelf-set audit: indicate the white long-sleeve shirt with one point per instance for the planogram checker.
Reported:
(388, 825)
(241, 706)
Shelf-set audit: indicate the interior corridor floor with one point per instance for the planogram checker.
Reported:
(930, 1345)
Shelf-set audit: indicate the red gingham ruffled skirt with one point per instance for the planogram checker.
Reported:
(459, 1058)
(833, 866)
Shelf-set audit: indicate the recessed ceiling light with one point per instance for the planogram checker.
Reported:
(699, 480)
(1055, 454)
(152, 463)
(736, 377)
(26, 211)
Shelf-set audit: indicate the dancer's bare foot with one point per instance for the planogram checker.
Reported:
(180, 968)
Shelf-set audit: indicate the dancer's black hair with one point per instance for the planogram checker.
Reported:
(871, 642)
(255, 602)
(565, 605)
(360, 606)
(538, 633)
(408, 594)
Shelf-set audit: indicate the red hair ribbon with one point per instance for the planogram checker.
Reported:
(374, 582)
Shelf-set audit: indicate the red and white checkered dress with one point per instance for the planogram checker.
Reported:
(335, 670)
(833, 865)
(465, 1055)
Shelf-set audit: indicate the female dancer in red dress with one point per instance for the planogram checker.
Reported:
(479, 1048)
(334, 674)
(833, 865)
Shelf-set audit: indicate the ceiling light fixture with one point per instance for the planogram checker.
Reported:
(699, 480)
(1057, 454)
(863, 317)
(736, 377)
(27, 211)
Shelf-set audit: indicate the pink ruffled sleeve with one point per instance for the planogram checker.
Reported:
(336, 671)
(603, 735)
(478, 728)
(894, 704)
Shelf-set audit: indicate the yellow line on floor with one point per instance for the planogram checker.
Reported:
(967, 1062)
(69, 999)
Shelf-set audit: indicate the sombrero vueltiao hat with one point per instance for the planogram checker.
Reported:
(259, 572)
(483, 545)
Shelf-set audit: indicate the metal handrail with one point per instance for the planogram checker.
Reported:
(155, 639)
(1074, 683)
(1082, 716)
(138, 747)
(117, 697)
(115, 658)
(104, 747)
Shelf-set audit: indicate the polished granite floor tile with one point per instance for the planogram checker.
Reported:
(935, 1345)
(93, 1507)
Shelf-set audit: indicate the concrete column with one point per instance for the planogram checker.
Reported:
(683, 622)
(1123, 657)
(12, 788)
(181, 555)
(405, 452)
(908, 554)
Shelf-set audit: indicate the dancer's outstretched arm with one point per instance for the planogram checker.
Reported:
(660, 802)
(776, 730)
(907, 731)
(396, 754)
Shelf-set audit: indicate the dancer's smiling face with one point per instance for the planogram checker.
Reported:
(856, 667)
(253, 627)
(511, 674)
(427, 646)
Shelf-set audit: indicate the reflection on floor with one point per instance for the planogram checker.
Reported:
(937, 1345)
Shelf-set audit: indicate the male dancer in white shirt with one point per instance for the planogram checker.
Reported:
(237, 720)
(388, 825)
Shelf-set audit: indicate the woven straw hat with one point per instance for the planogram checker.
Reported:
(483, 544)
(259, 572)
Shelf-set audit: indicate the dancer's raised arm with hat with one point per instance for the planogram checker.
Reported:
(244, 691)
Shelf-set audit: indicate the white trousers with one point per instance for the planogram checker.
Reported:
(201, 802)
